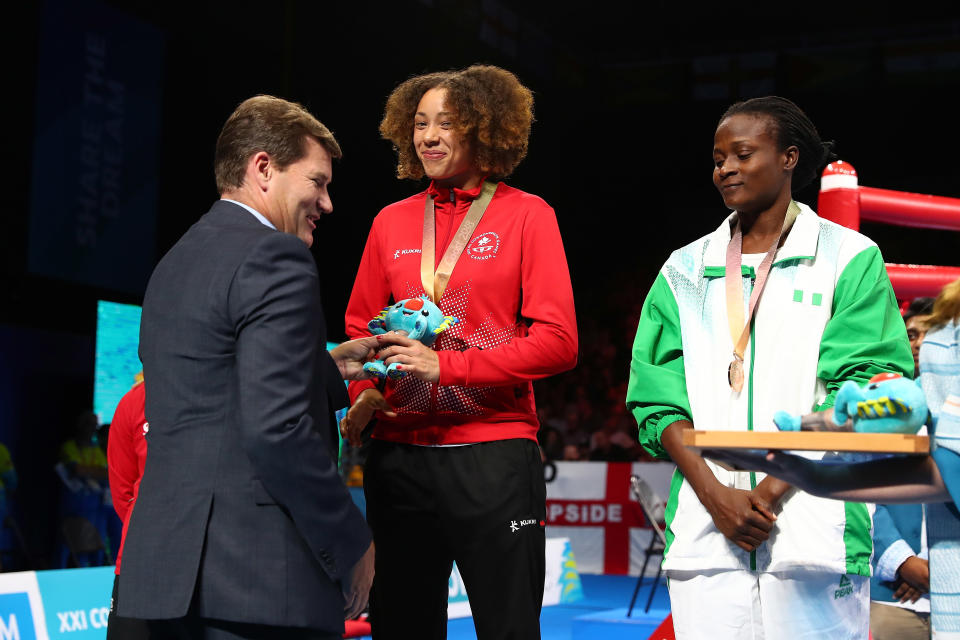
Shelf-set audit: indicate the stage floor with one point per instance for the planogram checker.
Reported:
(601, 593)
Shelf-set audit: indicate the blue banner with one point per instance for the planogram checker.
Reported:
(95, 156)
(16, 617)
(76, 602)
(67, 604)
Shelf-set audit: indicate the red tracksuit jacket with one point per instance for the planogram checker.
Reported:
(510, 290)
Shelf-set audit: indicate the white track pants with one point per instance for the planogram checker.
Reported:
(745, 605)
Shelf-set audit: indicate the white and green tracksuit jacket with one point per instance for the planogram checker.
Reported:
(827, 315)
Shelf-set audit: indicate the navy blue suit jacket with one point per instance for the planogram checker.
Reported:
(241, 511)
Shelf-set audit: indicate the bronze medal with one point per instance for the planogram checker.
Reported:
(735, 373)
(732, 276)
(434, 279)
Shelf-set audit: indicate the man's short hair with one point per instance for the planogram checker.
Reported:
(266, 123)
(918, 307)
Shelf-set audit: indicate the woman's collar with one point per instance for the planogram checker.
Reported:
(443, 193)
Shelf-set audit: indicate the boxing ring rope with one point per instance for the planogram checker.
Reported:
(843, 201)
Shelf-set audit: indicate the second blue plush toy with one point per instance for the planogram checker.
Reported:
(416, 318)
(889, 403)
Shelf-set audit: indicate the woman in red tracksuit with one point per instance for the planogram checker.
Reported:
(126, 456)
(454, 471)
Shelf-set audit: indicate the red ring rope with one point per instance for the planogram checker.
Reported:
(843, 201)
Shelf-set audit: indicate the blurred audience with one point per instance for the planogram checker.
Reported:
(8, 485)
(83, 472)
(582, 412)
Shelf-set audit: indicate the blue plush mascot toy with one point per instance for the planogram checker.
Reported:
(889, 403)
(416, 318)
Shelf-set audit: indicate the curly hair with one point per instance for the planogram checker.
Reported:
(792, 127)
(493, 112)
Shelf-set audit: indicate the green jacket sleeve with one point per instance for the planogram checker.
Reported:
(657, 393)
(865, 335)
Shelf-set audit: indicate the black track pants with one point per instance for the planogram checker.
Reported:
(481, 505)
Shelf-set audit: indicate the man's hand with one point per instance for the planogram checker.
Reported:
(350, 357)
(905, 592)
(739, 515)
(356, 588)
(915, 571)
(413, 356)
(358, 416)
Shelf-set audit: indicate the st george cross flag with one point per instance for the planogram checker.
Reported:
(590, 503)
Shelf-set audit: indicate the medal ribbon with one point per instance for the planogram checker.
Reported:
(435, 281)
(734, 287)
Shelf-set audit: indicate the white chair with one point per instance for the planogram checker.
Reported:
(653, 508)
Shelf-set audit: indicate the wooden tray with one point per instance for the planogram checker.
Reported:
(808, 441)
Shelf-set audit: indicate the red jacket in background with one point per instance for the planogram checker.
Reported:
(126, 454)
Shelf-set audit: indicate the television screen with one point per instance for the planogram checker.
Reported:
(117, 362)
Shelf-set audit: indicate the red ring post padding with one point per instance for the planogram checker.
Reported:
(839, 199)
(843, 201)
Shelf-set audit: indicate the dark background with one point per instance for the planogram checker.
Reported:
(627, 99)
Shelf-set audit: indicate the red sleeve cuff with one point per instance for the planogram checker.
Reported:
(356, 387)
(453, 368)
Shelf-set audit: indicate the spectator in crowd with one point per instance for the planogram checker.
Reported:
(915, 317)
(576, 429)
(572, 452)
(83, 471)
(8, 485)
(579, 402)
(551, 442)
(604, 449)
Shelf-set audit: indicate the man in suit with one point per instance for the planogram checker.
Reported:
(242, 527)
